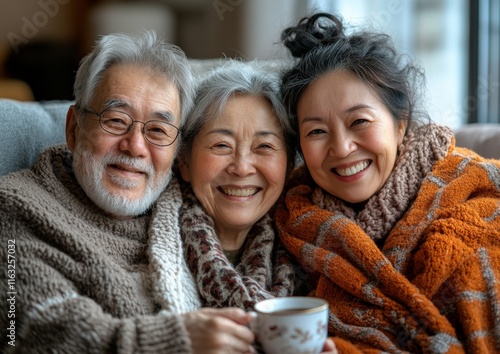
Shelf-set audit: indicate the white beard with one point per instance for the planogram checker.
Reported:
(89, 172)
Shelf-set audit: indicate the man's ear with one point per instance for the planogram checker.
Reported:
(183, 168)
(71, 127)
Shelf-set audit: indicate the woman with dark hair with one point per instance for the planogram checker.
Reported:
(400, 228)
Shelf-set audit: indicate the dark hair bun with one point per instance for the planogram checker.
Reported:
(311, 32)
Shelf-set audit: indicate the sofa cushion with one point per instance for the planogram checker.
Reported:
(27, 129)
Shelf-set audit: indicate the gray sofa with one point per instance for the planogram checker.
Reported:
(482, 138)
(27, 128)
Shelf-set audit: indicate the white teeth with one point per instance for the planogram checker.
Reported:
(240, 192)
(353, 169)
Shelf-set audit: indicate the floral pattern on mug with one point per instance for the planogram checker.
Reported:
(296, 333)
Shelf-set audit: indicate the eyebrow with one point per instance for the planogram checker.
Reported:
(114, 103)
(231, 133)
(358, 106)
(349, 110)
(162, 115)
(165, 115)
(267, 133)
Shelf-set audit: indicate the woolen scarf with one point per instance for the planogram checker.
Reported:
(417, 269)
(264, 271)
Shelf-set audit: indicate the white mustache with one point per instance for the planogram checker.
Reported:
(144, 167)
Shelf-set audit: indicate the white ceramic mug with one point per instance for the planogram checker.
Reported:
(293, 324)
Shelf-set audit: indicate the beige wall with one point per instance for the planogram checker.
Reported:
(23, 22)
(36, 20)
(204, 28)
(246, 29)
(237, 28)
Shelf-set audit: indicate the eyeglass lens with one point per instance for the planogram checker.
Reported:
(156, 132)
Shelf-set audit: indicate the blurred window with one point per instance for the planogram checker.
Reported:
(435, 33)
(484, 64)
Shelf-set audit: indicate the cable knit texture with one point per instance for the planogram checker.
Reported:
(418, 269)
(173, 283)
(264, 271)
(85, 282)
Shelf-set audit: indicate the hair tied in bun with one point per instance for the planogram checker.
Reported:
(316, 31)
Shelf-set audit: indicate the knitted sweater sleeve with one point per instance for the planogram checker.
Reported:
(49, 312)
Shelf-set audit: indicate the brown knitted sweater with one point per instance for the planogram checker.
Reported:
(418, 269)
(83, 282)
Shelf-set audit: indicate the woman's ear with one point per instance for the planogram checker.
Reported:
(71, 127)
(183, 165)
(401, 127)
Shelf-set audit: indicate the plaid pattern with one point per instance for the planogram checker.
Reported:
(431, 284)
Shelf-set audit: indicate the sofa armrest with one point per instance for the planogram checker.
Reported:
(27, 129)
(484, 139)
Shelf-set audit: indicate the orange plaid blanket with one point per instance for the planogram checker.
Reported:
(432, 285)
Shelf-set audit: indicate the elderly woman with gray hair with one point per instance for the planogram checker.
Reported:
(235, 156)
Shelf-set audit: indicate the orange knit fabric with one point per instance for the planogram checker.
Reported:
(433, 286)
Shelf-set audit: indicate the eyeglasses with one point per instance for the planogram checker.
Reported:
(156, 132)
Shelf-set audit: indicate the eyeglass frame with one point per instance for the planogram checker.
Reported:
(129, 128)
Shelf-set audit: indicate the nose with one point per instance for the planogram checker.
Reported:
(241, 165)
(342, 144)
(134, 142)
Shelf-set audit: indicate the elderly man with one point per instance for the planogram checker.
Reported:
(90, 234)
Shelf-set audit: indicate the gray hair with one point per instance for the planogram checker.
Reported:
(232, 78)
(146, 51)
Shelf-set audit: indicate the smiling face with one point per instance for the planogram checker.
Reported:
(124, 174)
(237, 166)
(348, 137)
